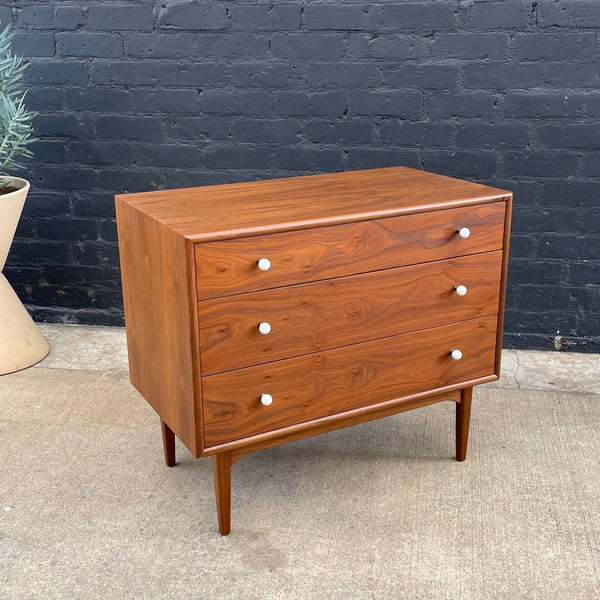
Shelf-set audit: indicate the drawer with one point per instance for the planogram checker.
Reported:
(331, 382)
(327, 314)
(231, 266)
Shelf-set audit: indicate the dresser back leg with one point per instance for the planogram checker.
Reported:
(222, 476)
(463, 418)
(168, 444)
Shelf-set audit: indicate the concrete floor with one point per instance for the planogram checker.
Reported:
(381, 510)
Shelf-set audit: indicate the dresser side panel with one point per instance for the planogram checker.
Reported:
(503, 279)
(155, 276)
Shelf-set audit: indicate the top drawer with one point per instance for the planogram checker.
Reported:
(231, 266)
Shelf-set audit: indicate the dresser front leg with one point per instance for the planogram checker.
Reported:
(222, 476)
(463, 418)
(168, 444)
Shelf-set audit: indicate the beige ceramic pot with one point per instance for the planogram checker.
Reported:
(21, 343)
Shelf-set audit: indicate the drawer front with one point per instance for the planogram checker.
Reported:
(231, 266)
(318, 316)
(331, 382)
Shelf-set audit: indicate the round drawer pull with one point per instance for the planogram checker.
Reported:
(264, 328)
(456, 354)
(461, 290)
(266, 399)
(264, 264)
(464, 232)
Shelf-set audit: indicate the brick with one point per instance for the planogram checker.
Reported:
(63, 125)
(394, 103)
(536, 164)
(570, 136)
(56, 73)
(198, 75)
(68, 17)
(36, 17)
(563, 46)
(343, 75)
(394, 46)
(266, 130)
(501, 15)
(47, 204)
(203, 16)
(278, 17)
(570, 192)
(169, 155)
(5, 16)
(314, 45)
(133, 128)
(342, 132)
(461, 164)
(99, 99)
(372, 158)
(160, 45)
(173, 101)
(310, 159)
(82, 43)
(335, 17)
(569, 247)
(199, 128)
(33, 44)
(543, 105)
(267, 75)
(95, 152)
(124, 181)
(419, 16)
(483, 135)
(401, 133)
(48, 151)
(218, 156)
(569, 13)
(470, 46)
(591, 165)
(546, 220)
(501, 76)
(239, 45)
(240, 103)
(44, 98)
(565, 74)
(316, 104)
(468, 104)
(433, 77)
(124, 72)
(71, 229)
(120, 17)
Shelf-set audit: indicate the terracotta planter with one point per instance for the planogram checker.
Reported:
(21, 343)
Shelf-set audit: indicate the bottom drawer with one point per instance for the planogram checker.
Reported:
(321, 384)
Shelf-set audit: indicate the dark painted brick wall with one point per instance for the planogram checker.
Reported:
(147, 95)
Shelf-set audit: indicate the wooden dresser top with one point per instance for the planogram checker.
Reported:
(217, 212)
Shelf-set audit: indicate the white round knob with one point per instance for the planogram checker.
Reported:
(461, 290)
(266, 399)
(264, 264)
(464, 232)
(264, 328)
(456, 354)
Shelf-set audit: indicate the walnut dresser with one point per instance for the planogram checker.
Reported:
(261, 313)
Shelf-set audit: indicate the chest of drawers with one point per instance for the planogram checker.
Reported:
(261, 313)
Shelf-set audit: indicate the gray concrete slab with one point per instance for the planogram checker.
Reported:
(380, 511)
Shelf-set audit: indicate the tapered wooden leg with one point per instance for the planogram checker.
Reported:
(463, 418)
(222, 476)
(168, 444)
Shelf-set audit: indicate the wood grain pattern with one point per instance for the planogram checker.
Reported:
(247, 209)
(154, 267)
(330, 382)
(168, 438)
(230, 267)
(318, 316)
(222, 480)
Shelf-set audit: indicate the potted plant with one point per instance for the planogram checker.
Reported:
(21, 343)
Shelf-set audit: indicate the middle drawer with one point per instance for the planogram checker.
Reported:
(311, 317)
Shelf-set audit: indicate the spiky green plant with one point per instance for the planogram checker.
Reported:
(16, 131)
